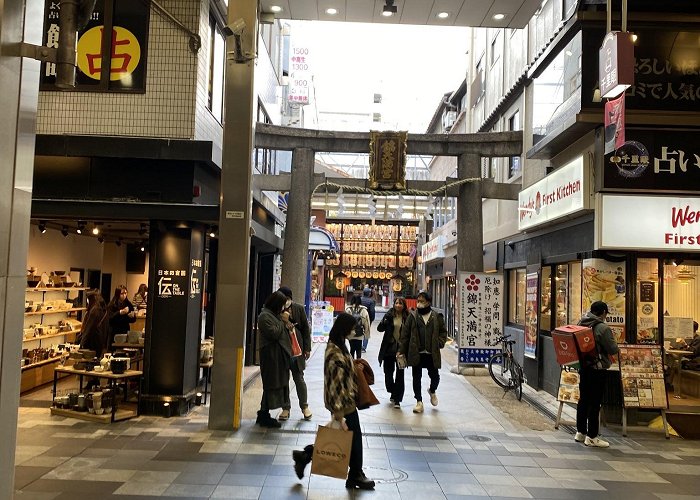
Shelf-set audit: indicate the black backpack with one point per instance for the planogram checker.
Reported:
(359, 325)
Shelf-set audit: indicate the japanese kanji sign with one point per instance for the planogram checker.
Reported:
(387, 160)
(532, 311)
(616, 64)
(480, 316)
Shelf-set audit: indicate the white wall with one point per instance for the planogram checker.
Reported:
(52, 251)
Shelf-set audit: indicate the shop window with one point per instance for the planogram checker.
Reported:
(514, 166)
(217, 63)
(516, 296)
(681, 298)
(647, 300)
(546, 300)
(575, 298)
(561, 294)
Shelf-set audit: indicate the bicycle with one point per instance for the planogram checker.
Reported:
(510, 375)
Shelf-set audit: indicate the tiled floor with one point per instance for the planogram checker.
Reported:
(462, 448)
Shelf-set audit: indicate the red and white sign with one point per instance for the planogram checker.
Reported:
(648, 223)
(563, 192)
(434, 249)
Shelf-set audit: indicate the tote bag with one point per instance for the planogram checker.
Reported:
(331, 451)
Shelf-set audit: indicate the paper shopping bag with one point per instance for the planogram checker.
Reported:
(331, 452)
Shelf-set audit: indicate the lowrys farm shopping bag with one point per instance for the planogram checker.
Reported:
(332, 451)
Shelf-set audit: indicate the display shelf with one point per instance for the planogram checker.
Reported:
(105, 418)
(55, 311)
(52, 289)
(42, 337)
(41, 363)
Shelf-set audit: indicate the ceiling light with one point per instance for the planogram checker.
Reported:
(143, 247)
(42, 226)
(331, 11)
(95, 230)
(64, 231)
(275, 8)
(212, 231)
(81, 227)
(499, 17)
(389, 9)
(634, 37)
(443, 15)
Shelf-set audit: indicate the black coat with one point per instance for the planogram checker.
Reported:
(94, 332)
(370, 305)
(119, 323)
(389, 346)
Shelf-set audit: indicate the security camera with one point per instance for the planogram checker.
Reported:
(454, 233)
(235, 28)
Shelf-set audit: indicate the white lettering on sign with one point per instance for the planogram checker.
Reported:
(561, 193)
(659, 222)
(432, 250)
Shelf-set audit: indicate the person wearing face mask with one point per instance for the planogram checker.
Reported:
(391, 325)
(340, 398)
(422, 337)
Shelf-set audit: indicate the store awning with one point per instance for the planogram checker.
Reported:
(320, 239)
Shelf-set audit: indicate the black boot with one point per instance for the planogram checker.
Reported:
(359, 480)
(265, 420)
(301, 460)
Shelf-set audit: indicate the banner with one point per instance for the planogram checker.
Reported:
(603, 280)
(531, 313)
(480, 316)
(614, 124)
(321, 321)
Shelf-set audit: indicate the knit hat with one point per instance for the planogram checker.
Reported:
(286, 291)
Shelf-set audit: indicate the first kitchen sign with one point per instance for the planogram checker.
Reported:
(657, 223)
(563, 192)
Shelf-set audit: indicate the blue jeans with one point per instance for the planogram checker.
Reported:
(365, 341)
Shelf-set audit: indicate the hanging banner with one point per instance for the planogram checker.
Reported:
(614, 124)
(642, 375)
(531, 313)
(480, 316)
(387, 160)
(604, 280)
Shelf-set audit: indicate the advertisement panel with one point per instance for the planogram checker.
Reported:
(321, 321)
(660, 223)
(480, 315)
(300, 76)
(433, 250)
(642, 375)
(563, 192)
(604, 280)
(531, 313)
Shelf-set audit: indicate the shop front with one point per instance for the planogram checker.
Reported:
(438, 257)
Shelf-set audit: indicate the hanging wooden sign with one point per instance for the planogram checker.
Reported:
(387, 160)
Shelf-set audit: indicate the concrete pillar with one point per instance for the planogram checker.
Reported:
(296, 233)
(470, 235)
(234, 224)
(19, 81)
(174, 322)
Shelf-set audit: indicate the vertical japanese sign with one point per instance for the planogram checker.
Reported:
(300, 77)
(480, 315)
(614, 124)
(387, 160)
(532, 310)
(604, 280)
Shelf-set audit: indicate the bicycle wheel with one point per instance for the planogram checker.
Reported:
(498, 369)
(517, 381)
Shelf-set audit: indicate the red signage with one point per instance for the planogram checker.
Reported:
(614, 124)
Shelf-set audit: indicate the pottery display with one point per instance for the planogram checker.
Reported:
(119, 365)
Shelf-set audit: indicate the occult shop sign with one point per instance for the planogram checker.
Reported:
(387, 160)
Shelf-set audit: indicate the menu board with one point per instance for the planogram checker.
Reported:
(321, 321)
(480, 316)
(675, 328)
(531, 313)
(642, 375)
(604, 280)
(568, 387)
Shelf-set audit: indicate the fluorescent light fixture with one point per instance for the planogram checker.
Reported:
(499, 17)
(331, 11)
(275, 8)
(443, 15)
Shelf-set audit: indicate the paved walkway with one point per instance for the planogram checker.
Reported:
(463, 448)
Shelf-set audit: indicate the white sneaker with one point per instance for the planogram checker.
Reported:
(580, 437)
(419, 407)
(284, 415)
(397, 405)
(433, 399)
(307, 413)
(596, 442)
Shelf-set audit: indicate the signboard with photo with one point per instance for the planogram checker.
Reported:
(604, 280)
(480, 316)
(531, 313)
(321, 321)
(568, 387)
(642, 375)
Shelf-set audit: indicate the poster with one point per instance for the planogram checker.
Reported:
(675, 328)
(642, 375)
(531, 313)
(614, 123)
(480, 316)
(604, 280)
(568, 387)
(321, 321)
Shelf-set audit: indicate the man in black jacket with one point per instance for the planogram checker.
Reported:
(369, 303)
(297, 316)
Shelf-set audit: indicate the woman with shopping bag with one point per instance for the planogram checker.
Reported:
(340, 396)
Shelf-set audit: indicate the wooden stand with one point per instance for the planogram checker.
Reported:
(663, 417)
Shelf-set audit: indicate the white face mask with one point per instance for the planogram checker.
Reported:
(288, 304)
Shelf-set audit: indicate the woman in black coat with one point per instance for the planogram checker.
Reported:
(121, 312)
(94, 332)
(391, 325)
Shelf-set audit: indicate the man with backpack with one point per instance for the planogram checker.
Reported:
(362, 323)
(371, 305)
(592, 376)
